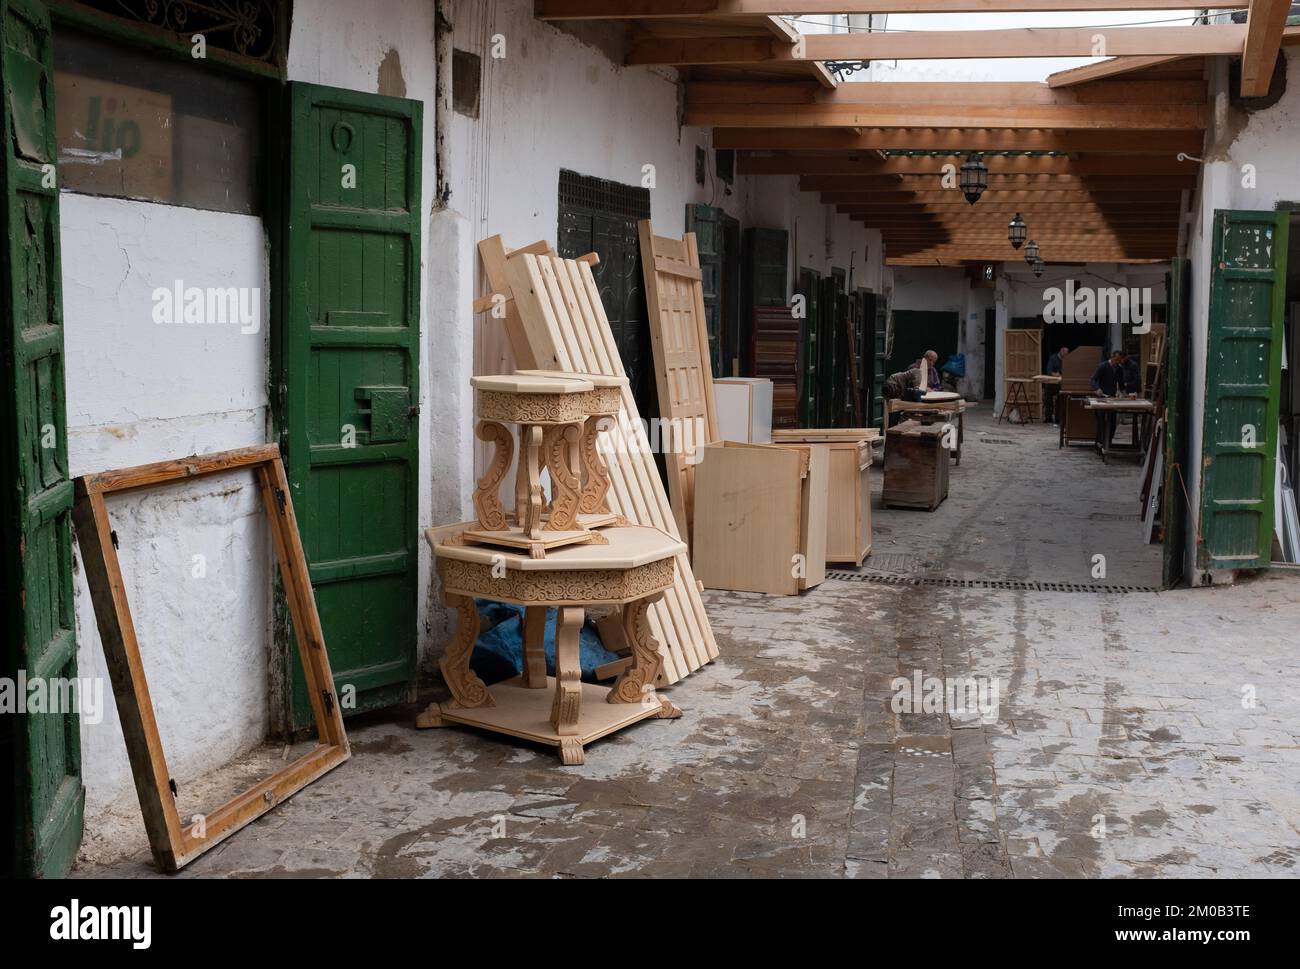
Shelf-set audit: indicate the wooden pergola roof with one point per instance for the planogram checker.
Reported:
(1095, 160)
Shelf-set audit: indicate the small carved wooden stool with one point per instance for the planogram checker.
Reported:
(632, 570)
(551, 413)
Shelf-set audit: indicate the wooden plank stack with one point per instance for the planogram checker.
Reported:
(775, 337)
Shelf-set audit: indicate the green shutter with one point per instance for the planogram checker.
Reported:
(1173, 510)
(706, 222)
(1242, 389)
(349, 353)
(810, 288)
(41, 751)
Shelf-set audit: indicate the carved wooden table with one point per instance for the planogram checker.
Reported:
(631, 568)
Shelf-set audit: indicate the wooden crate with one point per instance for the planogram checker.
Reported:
(916, 466)
(848, 499)
(760, 523)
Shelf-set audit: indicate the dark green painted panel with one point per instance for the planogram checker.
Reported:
(1242, 389)
(810, 288)
(41, 752)
(348, 370)
(764, 270)
(1173, 511)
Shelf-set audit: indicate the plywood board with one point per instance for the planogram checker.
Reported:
(555, 321)
(679, 340)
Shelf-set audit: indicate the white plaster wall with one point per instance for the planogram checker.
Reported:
(343, 44)
(137, 392)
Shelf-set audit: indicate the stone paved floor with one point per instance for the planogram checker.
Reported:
(1134, 734)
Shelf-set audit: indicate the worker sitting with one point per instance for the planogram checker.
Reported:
(904, 385)
(1051, 392)
(1108, 381)
(934, 379)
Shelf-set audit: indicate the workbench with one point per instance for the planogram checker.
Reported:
(629, 566)
(946, 409)
(1143, 412)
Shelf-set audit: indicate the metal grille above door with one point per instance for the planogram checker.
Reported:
(600, 216)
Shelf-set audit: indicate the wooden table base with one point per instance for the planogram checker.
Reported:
(523, 712)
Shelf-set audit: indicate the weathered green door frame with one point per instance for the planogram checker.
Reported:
(345, 384)
(41, 752)
(1242, 389)
(1173, 508)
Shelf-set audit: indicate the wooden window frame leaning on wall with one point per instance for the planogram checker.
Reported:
(174, 844)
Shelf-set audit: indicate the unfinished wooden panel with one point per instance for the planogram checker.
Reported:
(916, 466)
(175, 844)
(1078, 367)
(762, 518)
(555, 321)
(1022, 358)
(848, 499)
(679, 338)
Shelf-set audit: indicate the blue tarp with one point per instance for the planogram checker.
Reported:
(499, 654)
(956, 365)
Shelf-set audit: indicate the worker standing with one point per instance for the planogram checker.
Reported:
(904, 385)
(1108, 381)
(1051, 392)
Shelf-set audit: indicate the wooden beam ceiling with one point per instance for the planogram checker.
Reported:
(1163, 41)
(1129, 106)
(1265, 26)
(1113, 190)
(962, 139)
(723, 9)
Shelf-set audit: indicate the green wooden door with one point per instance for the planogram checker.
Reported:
(810, 288)
(1173, 508)
(1242, 389)
(600, 216)
(349, 382)
(879, 339)
(706, 222)
(765, 270)
(41, 751)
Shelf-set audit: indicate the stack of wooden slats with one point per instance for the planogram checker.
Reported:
(776, 336)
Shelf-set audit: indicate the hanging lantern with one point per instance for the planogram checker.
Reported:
(1031, 252)
(974, 178)
(1037, 267)
(1017, 231)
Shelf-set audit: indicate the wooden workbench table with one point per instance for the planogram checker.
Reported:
(942, 408)
(1143, 412)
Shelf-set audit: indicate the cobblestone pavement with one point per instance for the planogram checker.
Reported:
(1134, 735)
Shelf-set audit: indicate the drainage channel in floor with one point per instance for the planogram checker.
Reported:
(1006, 585)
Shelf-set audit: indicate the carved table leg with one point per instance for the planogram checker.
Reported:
(487, 497)
(467, 689)
(531, 523)
(637, 685)
(561, 447)
(568, 672)
(595, 484)
(534, 647)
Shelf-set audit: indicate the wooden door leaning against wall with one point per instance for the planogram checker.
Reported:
(347, 372)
